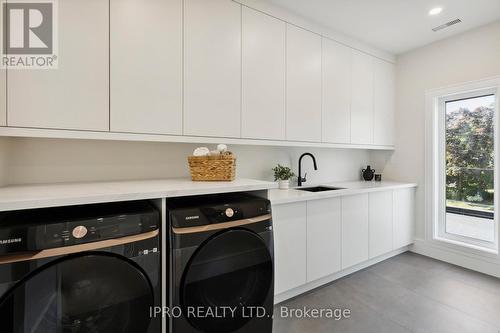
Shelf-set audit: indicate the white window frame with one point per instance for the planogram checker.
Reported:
(435, 165)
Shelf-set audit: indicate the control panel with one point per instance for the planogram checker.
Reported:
(78, 232)
(35, 230)
(183, 214)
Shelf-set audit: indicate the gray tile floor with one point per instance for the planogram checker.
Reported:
(407, 293)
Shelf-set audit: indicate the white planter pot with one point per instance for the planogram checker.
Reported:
(284, 184)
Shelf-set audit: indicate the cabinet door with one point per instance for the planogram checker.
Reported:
(3, 96)
(303, 89)
(362, 99)
(380, 216)
(263, 89)
(289, 223)
(336, 96)
(384, 87)
(323, 238)
(3, 80)
(76, 95)
(354, 230)
(212, 68)
(404, 217)
(146, 66)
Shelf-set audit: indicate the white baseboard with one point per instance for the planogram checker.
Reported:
(486, 264)
(330, 278)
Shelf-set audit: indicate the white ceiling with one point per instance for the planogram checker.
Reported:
(395, 26)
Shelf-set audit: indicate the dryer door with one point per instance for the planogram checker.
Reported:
(227, 277)
(93, 292)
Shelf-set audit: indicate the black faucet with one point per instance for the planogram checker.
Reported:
(300, 179)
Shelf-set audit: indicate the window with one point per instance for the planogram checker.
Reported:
(469, 167)
(463, 159)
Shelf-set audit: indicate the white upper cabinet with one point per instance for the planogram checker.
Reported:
(324, 241)
(289, 225)
(3, 97)
(380, 216)
(336, 96)
(212, 68)
(205, 68)
(76, 95)
(384, 103)
(354, 230)
(146, 66)
(362, 99)
(263, 89)
(303, 89)
(404, 217)
(3, 83)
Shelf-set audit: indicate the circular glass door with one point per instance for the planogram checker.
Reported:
(86, 293)
(228, 275)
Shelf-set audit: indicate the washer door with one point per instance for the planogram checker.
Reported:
(83, 293)
(232, 270)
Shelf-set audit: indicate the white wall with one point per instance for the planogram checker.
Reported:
(54, 160)
(471, 56)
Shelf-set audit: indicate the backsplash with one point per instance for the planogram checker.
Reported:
(28, 161)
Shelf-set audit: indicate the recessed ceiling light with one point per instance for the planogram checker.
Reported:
(435, 11)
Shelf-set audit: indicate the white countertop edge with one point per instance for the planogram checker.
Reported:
(54, 195)
(279, 197)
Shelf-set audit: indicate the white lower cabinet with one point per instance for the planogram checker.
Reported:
(380, 216)
(323, 238)
(289, 223)
(354, 230)
(404, 217)
(316, 239)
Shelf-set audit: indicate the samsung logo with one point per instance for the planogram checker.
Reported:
(194, 217)
(10, 241)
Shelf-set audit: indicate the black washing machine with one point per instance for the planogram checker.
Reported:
(221, 264)
(87, 269)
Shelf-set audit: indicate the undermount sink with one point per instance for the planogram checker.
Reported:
(319, 188)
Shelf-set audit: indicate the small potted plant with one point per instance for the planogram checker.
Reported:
(283, 174)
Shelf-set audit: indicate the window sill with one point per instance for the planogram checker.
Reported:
(466, 247)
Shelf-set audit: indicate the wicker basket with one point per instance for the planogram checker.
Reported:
(212, 168)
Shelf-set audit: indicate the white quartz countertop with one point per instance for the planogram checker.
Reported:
(278, 197)
(38, 196)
